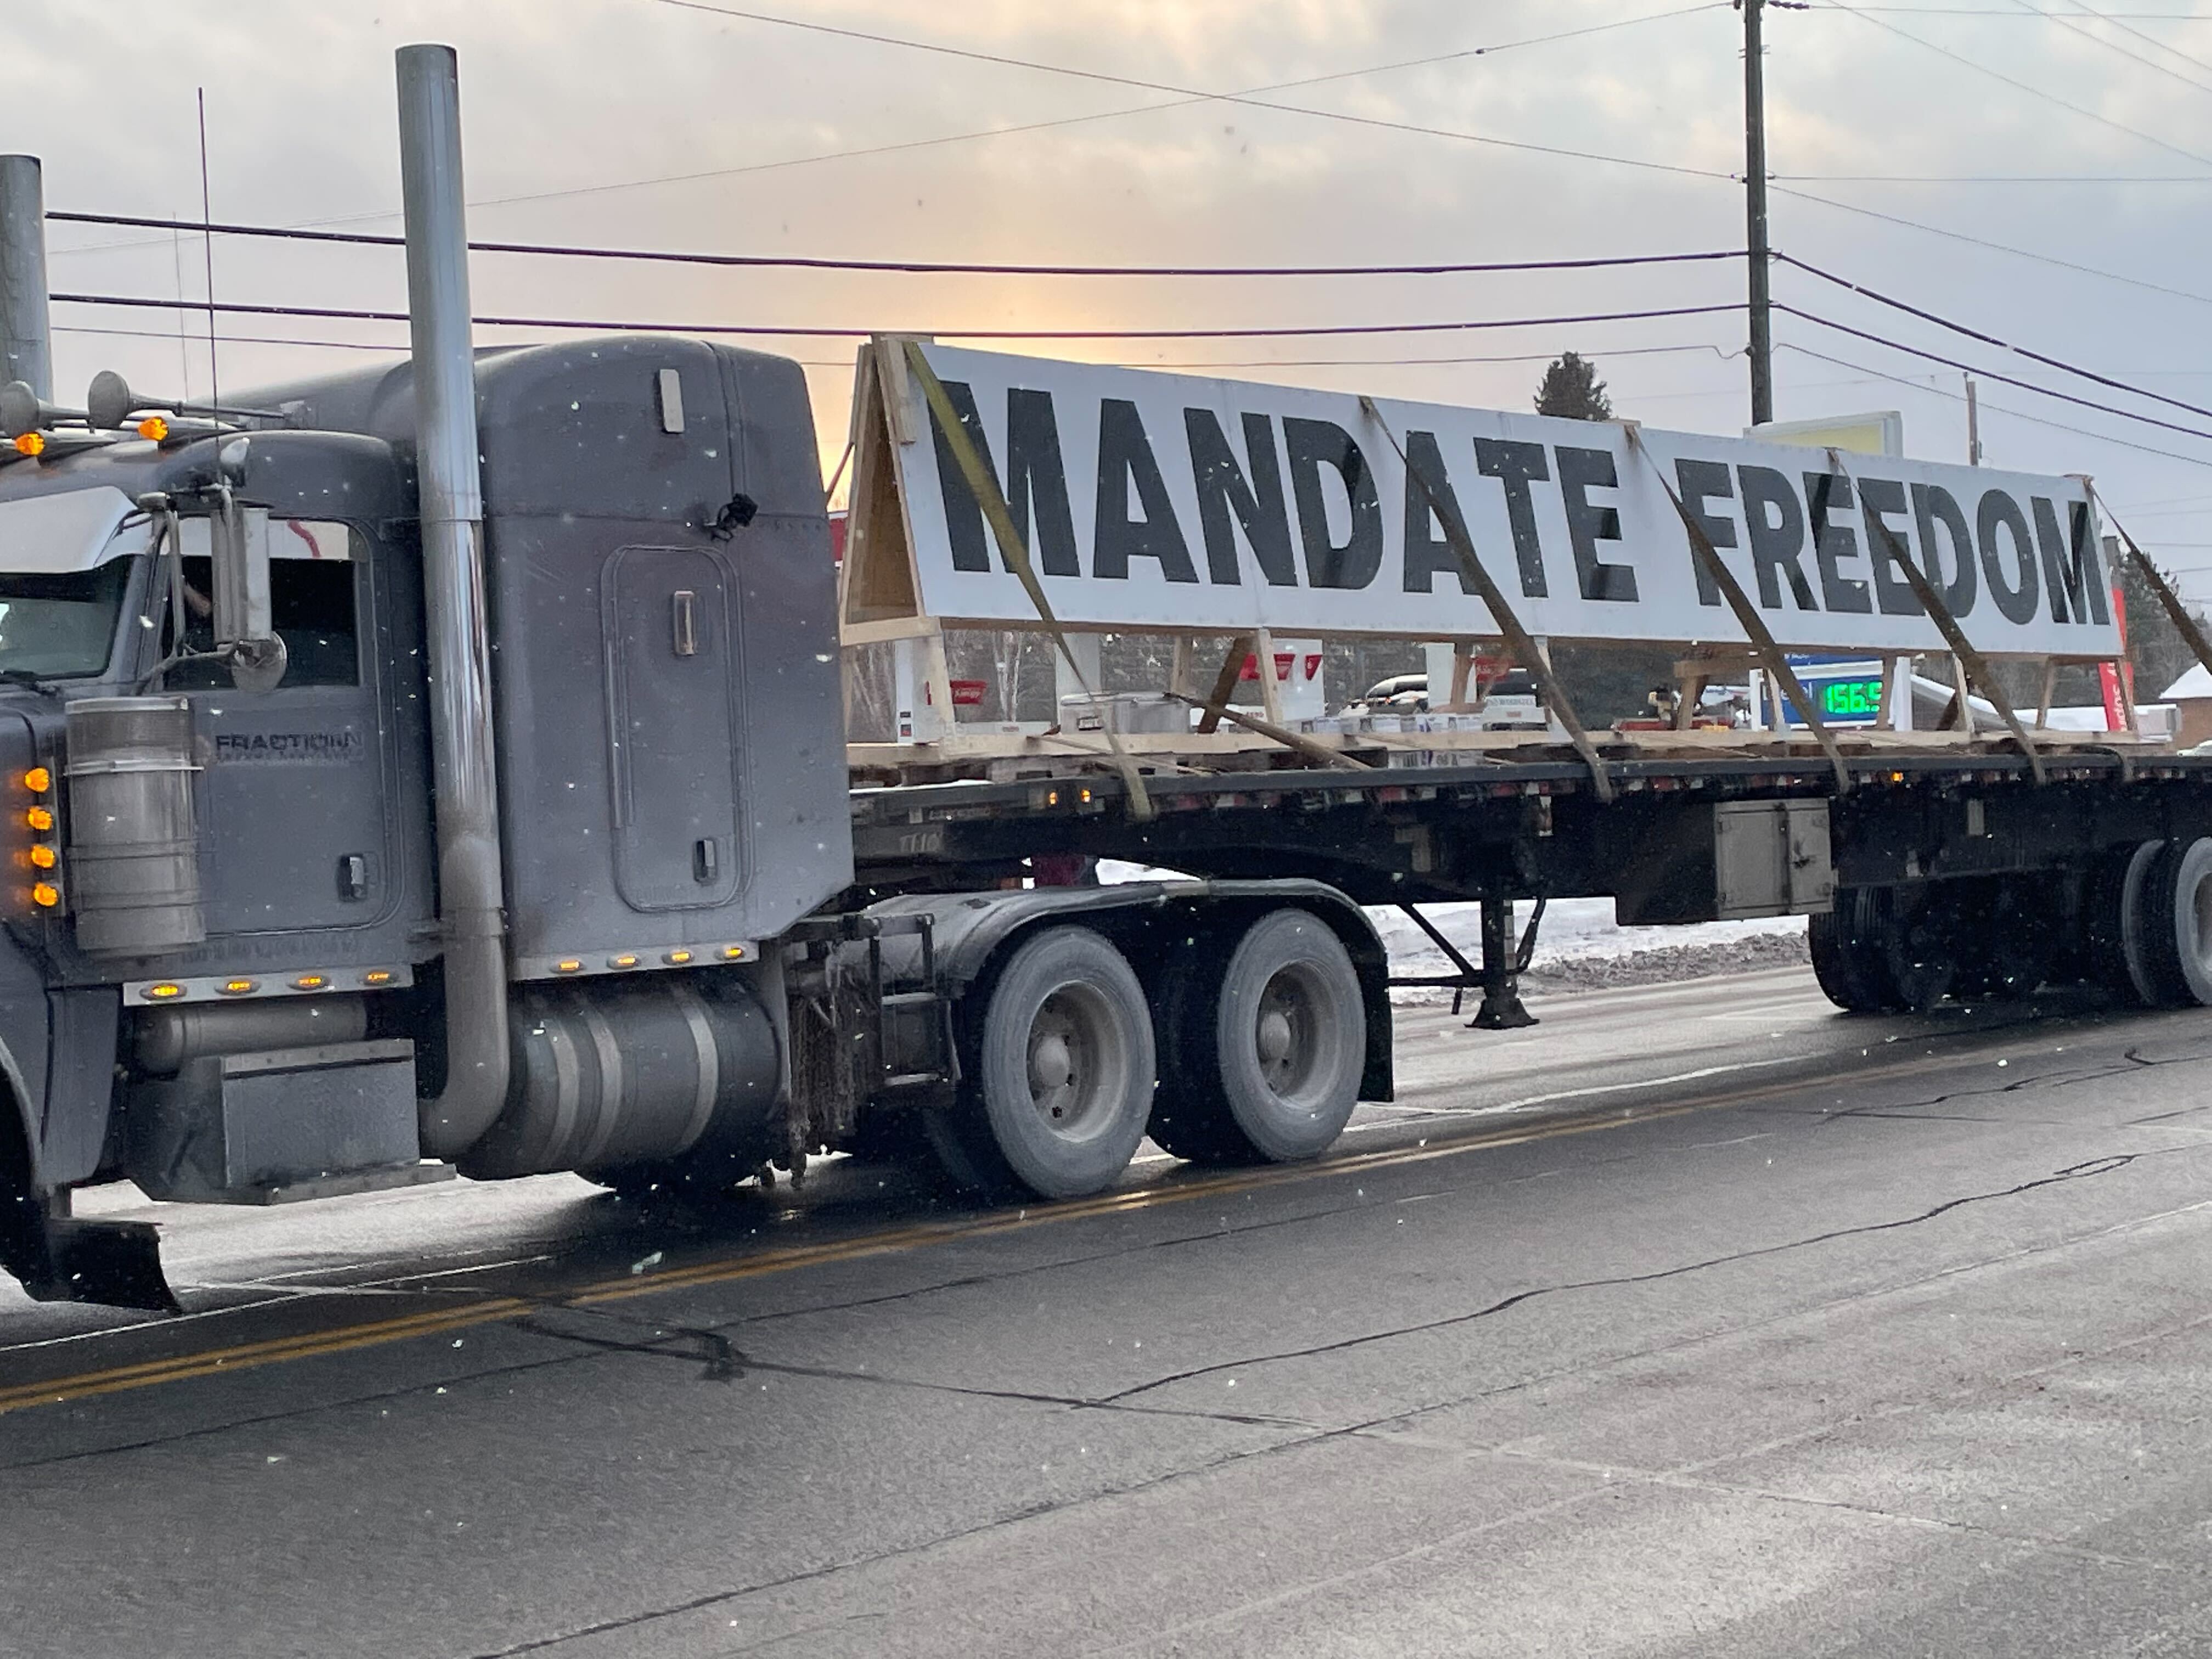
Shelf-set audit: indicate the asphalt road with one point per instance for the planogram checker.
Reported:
(1698, 1320)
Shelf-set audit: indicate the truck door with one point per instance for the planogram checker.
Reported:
(671, 687)
(296, 799)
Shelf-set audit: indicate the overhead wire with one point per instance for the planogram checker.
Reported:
(1241, 99)
(1179, 102)
(2000, 408)
(1927, 316)
(1987, 373)
(2072, 26)
(1979, 67)
(902, 267)
(810, 332)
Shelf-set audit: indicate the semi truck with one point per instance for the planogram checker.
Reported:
(441, 767)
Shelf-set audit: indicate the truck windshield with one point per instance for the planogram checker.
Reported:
(60, 625)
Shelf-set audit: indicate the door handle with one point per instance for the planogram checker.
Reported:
(685, 623)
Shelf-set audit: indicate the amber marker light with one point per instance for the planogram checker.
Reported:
(45, 895)
(568, 965)
(678, 958)
(31, 443)
(310, 982)
(733, 952)
(377, 976)
(39, 817)
(624, 961)
(37, 779)
(153, 429)
(44, 857)
(165, 992)
(239, 987)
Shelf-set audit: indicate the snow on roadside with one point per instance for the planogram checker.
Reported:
(1578, 946)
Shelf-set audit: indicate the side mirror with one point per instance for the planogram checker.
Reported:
(245, 627)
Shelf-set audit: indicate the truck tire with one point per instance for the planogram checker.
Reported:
(2172, 947)
(1919, 936)
(1264, 1063)
(1061, 1072)
(2112, 910)
(1846, 959)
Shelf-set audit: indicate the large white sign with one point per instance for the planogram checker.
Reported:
(1168, 502)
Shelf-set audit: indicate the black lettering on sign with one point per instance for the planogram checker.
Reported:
(1776, 525)
(340, 746)
(2076, 580)
(2015, 601)
(1698, 481)
(1580, 471)
(1125, 455)
(1426, 554)
(1257, 503)
(1517, 465)
(1880, 501)
(1827, 493)
(1934, 508)
(1313, 444)
(1036, 482)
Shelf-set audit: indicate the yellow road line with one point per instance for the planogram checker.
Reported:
(490, 1310)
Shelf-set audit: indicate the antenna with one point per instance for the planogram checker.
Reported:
(207, 222)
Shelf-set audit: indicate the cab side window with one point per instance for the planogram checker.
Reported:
(315, 603)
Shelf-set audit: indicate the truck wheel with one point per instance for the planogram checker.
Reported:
(2111, 911)
(1063, 1072)
(2173, 943)
(1845, 958)
(1918, 937)
(1265, 1065)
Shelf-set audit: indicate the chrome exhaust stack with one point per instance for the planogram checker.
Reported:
(471, 884)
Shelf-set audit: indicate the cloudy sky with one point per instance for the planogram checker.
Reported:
(2038, 169)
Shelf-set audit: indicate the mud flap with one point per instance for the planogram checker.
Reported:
(116, 1264)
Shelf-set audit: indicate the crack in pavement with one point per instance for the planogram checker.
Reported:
(2087, 1171)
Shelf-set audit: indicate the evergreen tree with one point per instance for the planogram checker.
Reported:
(1572, 390)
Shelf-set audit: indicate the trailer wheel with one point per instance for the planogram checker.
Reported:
(1846, 959)
(1265, 1065)
(1063, 1073)
(2173, 943)
(2112, 914)
(1918, 936)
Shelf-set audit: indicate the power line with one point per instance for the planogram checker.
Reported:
(2115, 20)
(1990, 374)
(1979, 67)
(941, 139)
(349, 314)
(1992, 178)
(1995, 247)
(2000, 408)
(1926, 316)
(2072, 27)
(903, 267)
(1242, 100)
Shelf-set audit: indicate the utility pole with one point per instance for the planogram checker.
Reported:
(1973, 423)
(1755, 191)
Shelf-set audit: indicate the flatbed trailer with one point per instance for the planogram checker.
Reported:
(441, 767)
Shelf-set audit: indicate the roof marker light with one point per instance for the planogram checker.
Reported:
(39, 817)
(377, 976)
(167, 991)
(677, 958)
(568, 965)
(239, 987)
(44, 857)
(30, 443)
(37, 779)
(153, 429)
(311, 982)
(624, 961)
(45, 895)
